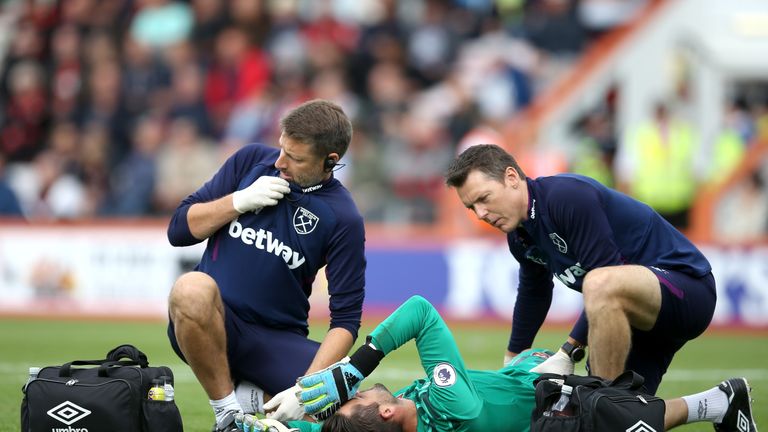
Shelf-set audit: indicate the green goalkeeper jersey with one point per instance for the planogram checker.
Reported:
(452, 397)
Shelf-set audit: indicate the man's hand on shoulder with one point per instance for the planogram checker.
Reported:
(263, 192)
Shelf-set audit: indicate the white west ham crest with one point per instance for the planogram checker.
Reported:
(304, 221)
(562, 246)
(444, 375)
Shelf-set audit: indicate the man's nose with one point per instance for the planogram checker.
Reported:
(280, 162)
(481, 212)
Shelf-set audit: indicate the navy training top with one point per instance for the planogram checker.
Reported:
(574, 225)
(265, 263)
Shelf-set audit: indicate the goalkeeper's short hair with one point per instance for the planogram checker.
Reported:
(364, 418)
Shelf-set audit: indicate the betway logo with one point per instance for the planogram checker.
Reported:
(571, 273)
(265, 240)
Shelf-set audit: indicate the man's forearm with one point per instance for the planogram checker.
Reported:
(335, 346)
(204, 219)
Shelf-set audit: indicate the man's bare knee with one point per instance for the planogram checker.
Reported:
(600, 290)
(194, 295)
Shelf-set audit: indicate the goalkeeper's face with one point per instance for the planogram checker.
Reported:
(378, 394)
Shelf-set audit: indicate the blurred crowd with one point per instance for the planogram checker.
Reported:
(123, 107)
(670, 165)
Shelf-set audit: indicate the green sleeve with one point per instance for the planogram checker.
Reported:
(451, 392)
(305, 426)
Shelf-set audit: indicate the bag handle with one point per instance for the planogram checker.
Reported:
(114, 358)
(629, 379)
(104, 368)
(104, 365)
(66, 368)
(130, 352)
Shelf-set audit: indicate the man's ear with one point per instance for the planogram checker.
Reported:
(386, 411)
(512, 177)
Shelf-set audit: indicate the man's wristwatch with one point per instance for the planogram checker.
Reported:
(575, 352)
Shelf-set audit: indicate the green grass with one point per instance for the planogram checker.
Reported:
(23, 343)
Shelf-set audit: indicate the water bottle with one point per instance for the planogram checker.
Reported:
(561, 408)
(157, 391)
(33, 371)
(168, 387)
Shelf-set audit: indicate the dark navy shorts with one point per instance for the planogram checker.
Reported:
(687, 306)
(271, 359)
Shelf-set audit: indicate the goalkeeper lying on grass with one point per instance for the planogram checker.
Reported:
(453, 398)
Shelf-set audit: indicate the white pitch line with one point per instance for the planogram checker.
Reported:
(182, 373)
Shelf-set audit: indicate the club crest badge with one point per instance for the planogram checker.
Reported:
(562, 246)
(304, 221)
(444, 375)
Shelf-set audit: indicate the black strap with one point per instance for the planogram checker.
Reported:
(114, 359)
(104, 365)
(366, 358)
(66, 368)
(341, 384)
(103, 369)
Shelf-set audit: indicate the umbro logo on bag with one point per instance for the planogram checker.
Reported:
(68, 412)
(640, 426)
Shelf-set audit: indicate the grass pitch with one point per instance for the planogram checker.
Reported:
(700, 365)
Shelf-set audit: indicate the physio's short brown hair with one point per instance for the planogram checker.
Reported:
(489, 159)
(321, 124)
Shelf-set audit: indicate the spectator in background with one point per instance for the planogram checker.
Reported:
(597, 147)
(65, 143)
(27, 45)
(161, 23)
(47, 191)
(553, 26)
(9, 203)
(104, 106)
(132, 183)
(742, 215)
(728, 147)
(253, 18)
(415, 162)
(657, 165)
(210, 18)
(239, 71)
(93, 157)
(185, 161)
(65, 71)
(432, 44)
(186, 99)
(145, 81)
(25, 118)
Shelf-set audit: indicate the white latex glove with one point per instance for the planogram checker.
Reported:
(249, 423)
(287, 404)
(508, 358)
(559, 363)
(265, 191)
